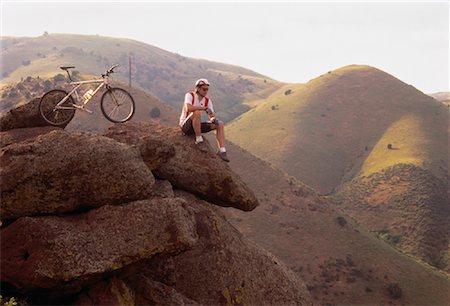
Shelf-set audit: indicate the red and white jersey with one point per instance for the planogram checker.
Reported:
(192, 98)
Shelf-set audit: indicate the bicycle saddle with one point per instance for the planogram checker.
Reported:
(67, 67)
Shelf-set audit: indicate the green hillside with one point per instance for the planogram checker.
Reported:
(343, 131)
(405, 205)
(166, 75)
(323, 132)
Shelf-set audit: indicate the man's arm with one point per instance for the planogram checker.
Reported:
(191, 108)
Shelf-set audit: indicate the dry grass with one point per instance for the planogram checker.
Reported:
(341, 262)
(327, 131)
(164, 74)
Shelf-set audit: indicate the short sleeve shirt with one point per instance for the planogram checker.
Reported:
(196, 102)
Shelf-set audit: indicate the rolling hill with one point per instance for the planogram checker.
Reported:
(166, 75)
(323, 132)
(443, 97)
(340, 261)
(334, 133)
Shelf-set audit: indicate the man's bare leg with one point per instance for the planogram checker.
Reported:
(220, 135)
(196, 123)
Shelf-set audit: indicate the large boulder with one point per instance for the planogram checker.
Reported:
(226, 268)
(187, 168)
(57, 256)
(62, 171)
(24, 116)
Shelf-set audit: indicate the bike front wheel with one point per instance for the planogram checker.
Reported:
(48, 111)
(117, 105)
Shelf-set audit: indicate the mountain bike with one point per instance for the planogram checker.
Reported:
(58, 106)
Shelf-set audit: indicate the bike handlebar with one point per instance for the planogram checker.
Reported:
(110, 70)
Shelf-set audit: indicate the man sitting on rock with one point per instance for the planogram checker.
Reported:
(195, 103)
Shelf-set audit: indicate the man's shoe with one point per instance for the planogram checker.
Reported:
(223, 156)
(201, 145)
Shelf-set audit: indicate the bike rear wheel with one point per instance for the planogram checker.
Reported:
(117, 105)
(54, 116)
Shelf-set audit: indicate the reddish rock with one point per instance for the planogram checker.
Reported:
(62, 171)
(111, 292)
(64, 254)
(204, 174)
(19, 135)
(161, 189)
(150, 292)
(226, 268)
(140, 290)
(24, 116)
(154, 150)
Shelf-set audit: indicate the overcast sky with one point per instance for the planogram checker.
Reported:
(288, 41)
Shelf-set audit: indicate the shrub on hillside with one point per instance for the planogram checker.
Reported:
(47, 85)
(341, 221)
(59, 77)
(155, 112)
(394, 291)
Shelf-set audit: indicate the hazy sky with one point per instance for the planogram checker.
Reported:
(287, 41)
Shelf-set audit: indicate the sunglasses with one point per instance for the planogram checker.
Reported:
(204, 88)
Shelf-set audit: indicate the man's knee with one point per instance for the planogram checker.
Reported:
(197, 114)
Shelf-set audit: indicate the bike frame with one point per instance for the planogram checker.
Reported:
(103, 82)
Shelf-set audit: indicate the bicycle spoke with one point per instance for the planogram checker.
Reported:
(54, 116)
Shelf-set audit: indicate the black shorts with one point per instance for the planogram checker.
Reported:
(188, 129)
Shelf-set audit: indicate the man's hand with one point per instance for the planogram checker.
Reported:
(214, 120)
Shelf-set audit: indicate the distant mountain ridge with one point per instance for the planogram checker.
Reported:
(164, 74)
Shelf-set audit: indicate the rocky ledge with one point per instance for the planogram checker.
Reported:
(128, 217)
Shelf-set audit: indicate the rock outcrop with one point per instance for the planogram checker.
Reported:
(70, 252)
(226, 268)
(18, 135)
(61, 171)
(186, 168)
(24, 116)
(87, 223)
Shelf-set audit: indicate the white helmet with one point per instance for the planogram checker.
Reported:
(201, 82)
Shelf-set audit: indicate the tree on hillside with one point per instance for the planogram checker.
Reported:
(59, 77)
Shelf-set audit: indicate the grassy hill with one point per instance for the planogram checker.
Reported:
(341, 262)
(405, 205)
(323, 132)
(166, 75)
(333, 134)
(443, 97)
